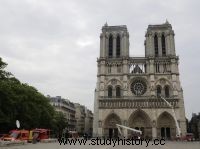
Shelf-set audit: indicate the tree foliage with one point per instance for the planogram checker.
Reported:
(19, 101)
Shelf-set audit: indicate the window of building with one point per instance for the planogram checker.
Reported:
(110, 50)
(118, 91)
(109, 91)
(158, 91)
(163, 45)
(167, 91)
(118, 46)
(156, 45)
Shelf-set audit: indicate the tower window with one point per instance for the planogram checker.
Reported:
(156, 45)
(118, 46)
(167, 91)
(110, 48)
(118, 91)
(109, 91)
(163, 45)
(158, 91)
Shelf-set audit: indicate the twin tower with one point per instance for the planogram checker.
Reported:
(128, 88)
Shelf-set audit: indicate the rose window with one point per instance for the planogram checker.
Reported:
(138, 87)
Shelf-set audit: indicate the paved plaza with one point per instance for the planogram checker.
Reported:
(168, 145)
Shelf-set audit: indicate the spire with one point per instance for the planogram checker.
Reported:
(106, 24)
(166, 22)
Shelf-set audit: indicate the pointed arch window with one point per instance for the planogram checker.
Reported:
(167, 91)
(118, 91)
(118, 44)
(158, 90)
(110, 47)
(156, 45)
(109, 91)
(163, 45)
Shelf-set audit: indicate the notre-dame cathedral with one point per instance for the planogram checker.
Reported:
(128, 88)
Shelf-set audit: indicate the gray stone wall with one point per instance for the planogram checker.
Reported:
(139, 79)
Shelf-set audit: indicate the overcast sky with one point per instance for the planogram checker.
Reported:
(53, 44)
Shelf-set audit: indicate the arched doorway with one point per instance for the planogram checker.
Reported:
(110, 129)
(166, 126)
(140, 120)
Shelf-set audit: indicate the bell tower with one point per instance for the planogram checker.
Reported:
(160, 41)
(114, 42)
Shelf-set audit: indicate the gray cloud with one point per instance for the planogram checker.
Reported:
(53, 45)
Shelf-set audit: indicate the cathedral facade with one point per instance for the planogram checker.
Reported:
(128, 88)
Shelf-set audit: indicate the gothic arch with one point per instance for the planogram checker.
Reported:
(118, 45)
(167, 91)
(163, 43)
(140, 120)
(110, 91)
(156, 44)
(110, 45)
(164, 83)
(109, 126)
(118, 91)
(158, 90)
(166, 127)
(114, 82)
(139, 113)
(168, 117)
(111, 120)
(137, 78)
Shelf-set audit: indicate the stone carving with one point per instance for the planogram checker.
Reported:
(113, 81)
(162, 81)
(147, 73)
(138, 87)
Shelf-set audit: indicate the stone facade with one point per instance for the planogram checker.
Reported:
(67, 108)
(84, 119)
(128, 88)
(80, 118)
(88, 122)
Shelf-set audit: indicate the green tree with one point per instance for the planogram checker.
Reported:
(59, 122)
(23, 102)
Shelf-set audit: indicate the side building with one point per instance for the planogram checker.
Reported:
(88, 122)
(84, 119)
(194, 125)
(67, 108)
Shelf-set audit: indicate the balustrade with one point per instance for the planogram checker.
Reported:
(116, 103)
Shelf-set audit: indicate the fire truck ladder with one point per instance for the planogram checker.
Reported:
(126, 128)
(178, 132)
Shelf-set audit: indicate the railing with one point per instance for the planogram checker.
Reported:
(162, 66)
(116, 103)
(137, 65)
